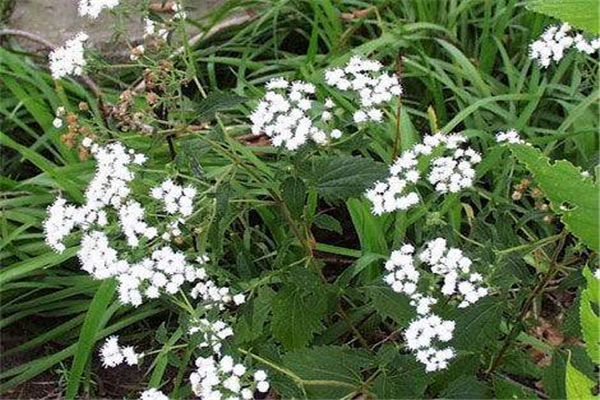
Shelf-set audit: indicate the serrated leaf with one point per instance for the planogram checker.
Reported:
(397, 370)
(390, 304)
(467, 387)
(342, 177)
(337, 369)
(572, 196)
(253, 316)
(206, 109)
(578, 386)
(504, 389)
(477, 325)
(590, 321)
(553, 376)
(293, 191)
(297, 316)
(583, 14)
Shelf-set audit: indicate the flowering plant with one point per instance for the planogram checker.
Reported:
(373, 215)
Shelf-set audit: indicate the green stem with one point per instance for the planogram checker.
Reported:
(518, 320)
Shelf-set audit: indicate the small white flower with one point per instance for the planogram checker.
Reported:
(153, 394)
(93, 8)
(68, 59)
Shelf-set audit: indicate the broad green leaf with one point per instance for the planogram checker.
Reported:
(511, 390)
(396, 370)
(590, 321)
(467, 387)
(297, 316)
(328, 372)
(578, 386)
(478, 325)
(583, 14)
(206, 109)
(253, 316)
(342, 177)
(93, 323)
(293, 191)
(572, 196)
(390, 304)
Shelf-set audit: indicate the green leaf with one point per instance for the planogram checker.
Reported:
(590, 321)
(398, 369)
(467, 387)
(369, 227)
(572, 196)
(297, 316)
(327, 222)
(478, 325)
(96, 317)
(583, 14)
(553, 376)
(505, 389)
(390, 304)
(253, 316)
(342, 177)
(328, 372)
(578, 386)
(206, 109)
(293, 191)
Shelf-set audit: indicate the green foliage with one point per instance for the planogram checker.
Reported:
(294, 233)
(390, 304)
(328, 372)
(588, 314)
(578, 386)
(297, 316)
(574, 197)
(583, 14)
(342, 177)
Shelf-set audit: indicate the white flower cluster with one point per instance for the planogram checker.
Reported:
(283, 115)
(112, 354)
(404, 277)
(176, 199)
(93, 8)
(224, 379)
(214, 295)
(213, 333)
(511, 136)
(165, 269)
(421, 335)
(553, 43)
(109, 187)
(448, 173)
(131, 219)
(455, 172)
(373, 86)
(68, 59)
(153, 394)
(455, 268)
